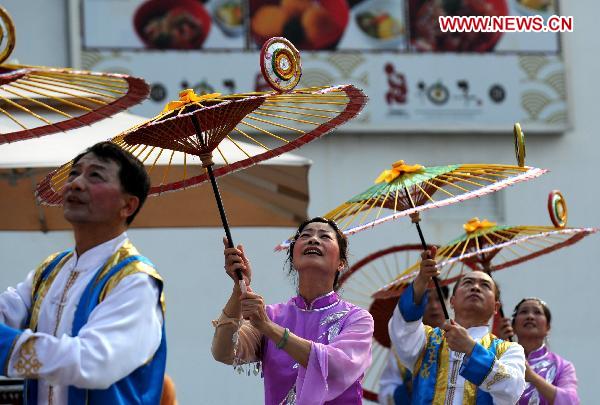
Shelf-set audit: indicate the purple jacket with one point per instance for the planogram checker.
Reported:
(558, 372)
(341, 335)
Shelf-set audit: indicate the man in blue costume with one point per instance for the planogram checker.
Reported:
(461, 362)
(87, 326)
(395, 381)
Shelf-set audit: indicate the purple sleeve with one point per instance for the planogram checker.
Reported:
(566, 386)
(334, 367)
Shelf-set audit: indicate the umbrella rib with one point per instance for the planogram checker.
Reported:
(275, 104)
(165, 174)
(357, 292)
(251, 138)
(155, 160)
(283, 117)
(3, 111)
(86, 77)
(295, 110)
(461, 179)
(148, 154)
(319, 102)
(366, 213)
(59, 99)
(438, 188)
(470, 175)
(184, 169)
(238, 146)
(9, 101)
(78, 87)
(272, 123)
(422, 191)
(383, 201)
(349, 220)
(387, 269)
(222, 156)
(37, 102)
(91, 100)
(491, 242)
(452, 184)
(78, 80)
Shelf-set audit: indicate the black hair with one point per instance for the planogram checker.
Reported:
(132, 175)
(341, 240)
(543, 304)
(496, 286)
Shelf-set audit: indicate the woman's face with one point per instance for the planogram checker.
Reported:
(530, 320)
(317, 246)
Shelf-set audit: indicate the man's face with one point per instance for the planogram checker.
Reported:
(475, 293)
(92, 193)
(434, 314)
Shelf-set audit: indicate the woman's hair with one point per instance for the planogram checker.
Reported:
(544, 306)
(340, 237)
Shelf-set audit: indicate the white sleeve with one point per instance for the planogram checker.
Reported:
(122, 333)
(503, 378)
(15, 303)
(408, 337)
(389, 380)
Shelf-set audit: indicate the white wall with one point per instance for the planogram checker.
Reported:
(191, 260)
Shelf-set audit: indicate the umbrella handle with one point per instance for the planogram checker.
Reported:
(216, 192)
(438, 288)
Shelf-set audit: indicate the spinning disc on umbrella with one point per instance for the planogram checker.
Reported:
(37, 100)
(489, 247)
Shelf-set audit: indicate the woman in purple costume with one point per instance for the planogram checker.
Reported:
(315, 348)
(550, 378)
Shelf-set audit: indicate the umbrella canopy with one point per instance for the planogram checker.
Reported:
(489, 247)
(38, 100)
(237, 130)
(409, 189)
(273, 193)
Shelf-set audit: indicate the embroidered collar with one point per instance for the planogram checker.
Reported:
(538, 353)
(98, 255)
(478, 332)
(319, 303)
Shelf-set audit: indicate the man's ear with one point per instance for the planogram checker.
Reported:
(452, 302)
(497, 306)
(130, 205)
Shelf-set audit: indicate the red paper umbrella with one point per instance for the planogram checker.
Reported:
(196, 127)
(489, 247)
(358, 284)
(37, 101)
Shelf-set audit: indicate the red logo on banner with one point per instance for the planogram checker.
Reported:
(397, 91)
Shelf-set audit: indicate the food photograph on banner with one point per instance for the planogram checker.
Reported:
(417, 77)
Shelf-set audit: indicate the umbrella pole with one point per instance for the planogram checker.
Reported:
(438, 288)
(217, 193)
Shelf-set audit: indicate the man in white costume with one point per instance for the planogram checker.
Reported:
(460, 363)
(87, 326)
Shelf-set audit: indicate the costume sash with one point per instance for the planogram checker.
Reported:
(430, 381)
